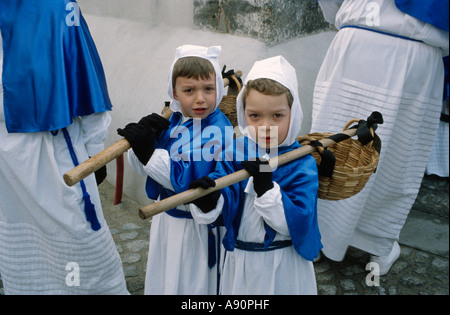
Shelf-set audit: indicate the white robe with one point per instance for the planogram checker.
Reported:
(178, 251)
(44, 235)
(363, 72)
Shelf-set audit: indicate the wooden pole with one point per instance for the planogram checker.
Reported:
(192, 194)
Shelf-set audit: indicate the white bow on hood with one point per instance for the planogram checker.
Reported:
(209, 53)
(278, 69)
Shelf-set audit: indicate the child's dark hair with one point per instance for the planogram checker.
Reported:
(267, 87)
(192, 67)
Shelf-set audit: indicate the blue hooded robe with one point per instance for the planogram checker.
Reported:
(52, 71)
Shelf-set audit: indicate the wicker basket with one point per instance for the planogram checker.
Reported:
(228, 103)
(355, 164)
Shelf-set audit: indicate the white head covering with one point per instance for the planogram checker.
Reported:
(278, 69)
(209, 53)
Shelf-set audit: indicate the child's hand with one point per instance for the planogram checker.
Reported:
(262, 175)
(141, 138)
(142, 135)
(155, 122)
(208, 202)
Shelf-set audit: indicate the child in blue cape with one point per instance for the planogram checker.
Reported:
(183, 254)
(271, 225)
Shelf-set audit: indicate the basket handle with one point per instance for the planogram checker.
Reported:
(238, 84)
(372, 132)
(232, 76)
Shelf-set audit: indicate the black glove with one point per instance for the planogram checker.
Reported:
(142, 135)
(262, 175)
(208, 202)
(155, 122)
(142, 140)
(100, 175)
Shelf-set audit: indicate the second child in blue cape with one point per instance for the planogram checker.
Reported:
(272, 233)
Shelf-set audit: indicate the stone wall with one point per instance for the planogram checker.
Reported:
(272, 21)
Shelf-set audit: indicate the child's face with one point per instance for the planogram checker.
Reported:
(197, 97)
(267, 111)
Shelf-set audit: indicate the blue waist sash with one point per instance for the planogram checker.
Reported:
(259, 247)
(381, 32)
(180, 214)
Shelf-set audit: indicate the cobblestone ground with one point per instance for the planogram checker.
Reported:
(415, 272)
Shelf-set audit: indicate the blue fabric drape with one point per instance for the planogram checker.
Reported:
(52, 71)
(434, 12)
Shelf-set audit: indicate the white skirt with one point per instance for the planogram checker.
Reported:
(178, 257)
(280, 271)
(363, 72)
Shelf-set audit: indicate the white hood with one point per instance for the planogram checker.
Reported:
(209, 53)
(278, 69)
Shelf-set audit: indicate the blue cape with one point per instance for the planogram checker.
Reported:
(193, 149)
(52, 71)
(434, 12)
(298, 181)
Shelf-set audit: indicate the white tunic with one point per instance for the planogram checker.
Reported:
(178, 251)
(363, 72)
(44, 235)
